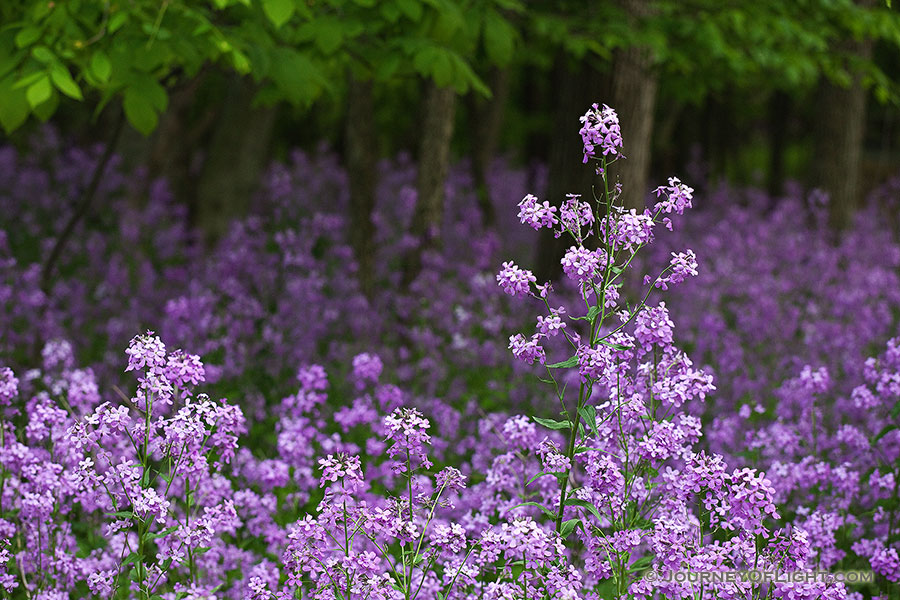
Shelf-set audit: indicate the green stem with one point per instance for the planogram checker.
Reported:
(346, 535)
(408, 574)
(143, 527)
(187, 519)
(570, 454)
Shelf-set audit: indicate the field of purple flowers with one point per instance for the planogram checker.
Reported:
(711, 386)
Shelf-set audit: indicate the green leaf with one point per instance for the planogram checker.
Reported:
(884, 431)
(613, 346)
(64, 82)
(279, 11)
(160, 534)
(40, 10)
(27, 80)
(517, 568)
(499, 38)
(896, 410)
(550, 514)
(566, 364)
(43, 54)
(139, 111)
(535, 478)
(411, 8)
(154, 94)
(329, 35)
(589, 415)
(240, 62)
(28, 36)
(449, 23)
(117, 20)
(296, 76)
(389, 12)
(39, 91)
(14, 107)
(432, 62)
(585, 505)
(568, 527)
(9, 58)
(122, 514)
(552, 424)
(100, 66)
(640, 564)
(592, 312)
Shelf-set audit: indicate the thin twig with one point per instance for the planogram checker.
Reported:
(85, 204)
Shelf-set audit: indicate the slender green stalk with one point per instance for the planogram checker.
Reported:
(570, 453)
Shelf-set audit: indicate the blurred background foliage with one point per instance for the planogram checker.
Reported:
(212, 90)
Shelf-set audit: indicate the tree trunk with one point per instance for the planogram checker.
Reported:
(434, 164)
(362, 156)
(567, 174)
(236, 156)
(840, 125)
(486, 118)
(634, 99)
(176, 141)
(839, 130)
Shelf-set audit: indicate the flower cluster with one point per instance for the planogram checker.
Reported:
(600, 128)
(515, 281)
(536, 214)
(677, 196)
(581, 265)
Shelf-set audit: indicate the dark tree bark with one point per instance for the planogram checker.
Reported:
(839, 135)
(434, 164)
(576, 88)
(236, 156)
(361, 145)
(179, 136)
(486, 119)
(634, 99)
(840, 125)
(839, 131)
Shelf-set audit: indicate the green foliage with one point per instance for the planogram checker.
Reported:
(566, 364)
(576, 29)
(301, 52)
(296, 51)
(128, 50)
(553, 424)
(706, 46)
